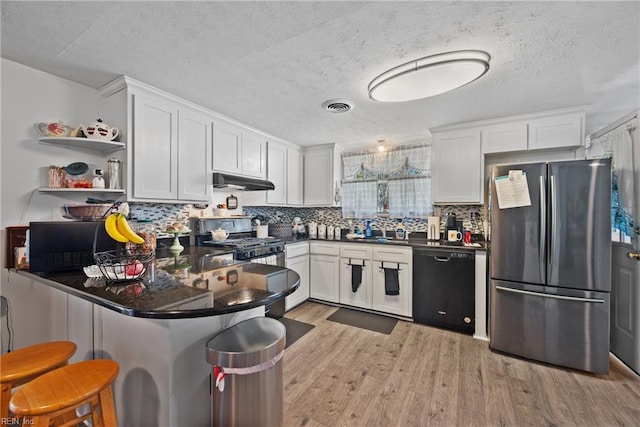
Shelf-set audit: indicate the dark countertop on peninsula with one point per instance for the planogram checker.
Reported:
(196, 283)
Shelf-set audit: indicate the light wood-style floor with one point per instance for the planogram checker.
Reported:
(338, 375)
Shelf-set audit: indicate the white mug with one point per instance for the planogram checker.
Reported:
(454, 235)
(262, 231)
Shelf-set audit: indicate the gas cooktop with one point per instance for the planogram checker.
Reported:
(245, 242)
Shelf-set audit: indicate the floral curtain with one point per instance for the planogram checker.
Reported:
(617, 144)
(398, 182)
(359, 199)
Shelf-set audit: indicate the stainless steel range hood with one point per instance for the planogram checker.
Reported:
(223, 180)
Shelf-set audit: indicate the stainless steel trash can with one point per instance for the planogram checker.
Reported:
(247, 387)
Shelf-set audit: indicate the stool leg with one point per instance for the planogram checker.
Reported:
(4, 400)
(108, 408)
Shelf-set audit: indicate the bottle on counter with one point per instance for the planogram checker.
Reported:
(400, 230)
(368, 232)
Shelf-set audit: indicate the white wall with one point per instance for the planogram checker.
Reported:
(30, 96)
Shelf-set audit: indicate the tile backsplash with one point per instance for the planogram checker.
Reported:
(164, 214)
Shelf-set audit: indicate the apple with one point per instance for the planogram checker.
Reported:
(133, 268)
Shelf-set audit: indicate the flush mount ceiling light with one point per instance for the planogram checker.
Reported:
(381, 145)
(429, 76)
(337, 105)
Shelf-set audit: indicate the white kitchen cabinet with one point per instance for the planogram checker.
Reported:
(504, 137)
(393, 258)
(194, 152)
(155, 147)
(297, 259)
(170, 150)
(277, 173)
(458, 167)
(351, 256)
(284, 170)
(322, 175)
(237, 150)
(324, 271)
(253, 155)
(227, 146)
(557, 131)
(294, 177)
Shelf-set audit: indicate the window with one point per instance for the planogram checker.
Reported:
(396, 182)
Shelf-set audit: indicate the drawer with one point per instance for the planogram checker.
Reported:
(392, 254)
(296, 249)
(356, 251)
(322, 248)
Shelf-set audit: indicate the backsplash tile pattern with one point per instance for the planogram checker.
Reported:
(164, 214)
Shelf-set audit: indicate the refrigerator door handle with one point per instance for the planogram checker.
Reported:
(543, 228)
(561, 297)
(553, 225)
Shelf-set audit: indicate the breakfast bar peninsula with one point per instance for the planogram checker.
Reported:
(156, 328)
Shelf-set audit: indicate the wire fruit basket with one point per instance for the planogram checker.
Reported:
(117, 266)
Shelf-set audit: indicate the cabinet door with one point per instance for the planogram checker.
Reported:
(155, 147)
(362, 296)
(324, 277)
(194, 145)
(294, 177)
(277, 173)
(318, 177)
(253, 155)
(458, 167)
(300, 265)
(562, 131)
(227, 139)
(504, 138)
(394, 304)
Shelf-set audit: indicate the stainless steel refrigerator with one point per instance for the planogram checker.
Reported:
(551, 265)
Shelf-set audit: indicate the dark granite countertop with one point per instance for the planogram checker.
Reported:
(196, 283)
(412, 242)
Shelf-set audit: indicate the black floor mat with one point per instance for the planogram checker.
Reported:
(295, 330)
(360, 319)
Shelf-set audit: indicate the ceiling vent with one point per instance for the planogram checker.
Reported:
(337, 105)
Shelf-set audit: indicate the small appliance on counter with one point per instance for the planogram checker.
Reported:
(66, 245)
(433, 228)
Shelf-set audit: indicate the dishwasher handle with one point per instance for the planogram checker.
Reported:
(441, 259)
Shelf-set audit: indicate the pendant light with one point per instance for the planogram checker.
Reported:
(429, 76)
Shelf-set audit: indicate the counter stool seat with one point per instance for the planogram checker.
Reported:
(51, 397)
(24, 364)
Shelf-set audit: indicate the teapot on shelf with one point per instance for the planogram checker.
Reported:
(219, 234)
(99, 130)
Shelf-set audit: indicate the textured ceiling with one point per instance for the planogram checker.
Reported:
(272, 64)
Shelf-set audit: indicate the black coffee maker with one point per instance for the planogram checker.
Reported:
(451, 223)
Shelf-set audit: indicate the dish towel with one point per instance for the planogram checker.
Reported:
(391, 282)
(356, 277)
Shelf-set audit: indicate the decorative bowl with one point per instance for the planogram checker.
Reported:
(88, 212)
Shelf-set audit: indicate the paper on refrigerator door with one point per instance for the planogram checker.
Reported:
(512, 190)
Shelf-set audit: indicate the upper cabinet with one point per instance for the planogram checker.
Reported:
(154, 166)
(459, 149)
(556, 129)
(322, 175)
(238, 151)
(457, 167)
(284, 170)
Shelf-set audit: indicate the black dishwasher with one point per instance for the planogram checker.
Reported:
(444, 288)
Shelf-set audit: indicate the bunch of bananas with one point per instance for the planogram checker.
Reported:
(118, 229)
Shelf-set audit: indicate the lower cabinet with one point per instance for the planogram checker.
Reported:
(324, 271)
(390, 263)
(356, 279)
(336, 268)
(297, 259)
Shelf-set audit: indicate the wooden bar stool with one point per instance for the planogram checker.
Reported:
(52, 397)
(25, 364)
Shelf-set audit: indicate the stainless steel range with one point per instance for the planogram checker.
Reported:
(244, 244)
